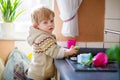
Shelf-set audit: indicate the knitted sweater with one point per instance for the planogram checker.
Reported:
(45, 51)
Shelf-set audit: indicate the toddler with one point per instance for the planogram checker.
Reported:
(44, 45)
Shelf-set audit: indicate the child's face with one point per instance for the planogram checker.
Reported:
(47, 25)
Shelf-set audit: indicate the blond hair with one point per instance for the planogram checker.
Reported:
(40, 14)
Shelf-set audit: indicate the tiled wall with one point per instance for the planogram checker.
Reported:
(112, 22)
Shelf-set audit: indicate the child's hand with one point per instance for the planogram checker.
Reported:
(77, 47)
(72, 51)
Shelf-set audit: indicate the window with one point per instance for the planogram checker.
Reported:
(23, 21)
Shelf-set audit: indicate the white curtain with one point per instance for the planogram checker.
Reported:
(68, 13)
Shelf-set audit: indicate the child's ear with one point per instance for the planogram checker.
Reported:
(35, 26)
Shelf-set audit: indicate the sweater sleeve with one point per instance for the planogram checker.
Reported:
(47, 45)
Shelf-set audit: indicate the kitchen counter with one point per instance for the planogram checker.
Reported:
(67, 73)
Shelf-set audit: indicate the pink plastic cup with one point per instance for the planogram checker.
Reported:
(70, 43)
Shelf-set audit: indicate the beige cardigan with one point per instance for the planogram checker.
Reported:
(45, 51)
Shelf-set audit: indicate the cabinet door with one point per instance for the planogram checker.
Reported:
(6, 46)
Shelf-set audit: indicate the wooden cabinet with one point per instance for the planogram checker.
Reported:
(6, 47)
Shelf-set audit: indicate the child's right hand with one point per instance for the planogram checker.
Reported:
(72, 51)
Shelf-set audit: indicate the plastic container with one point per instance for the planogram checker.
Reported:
(71, 42)
(100, 59)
